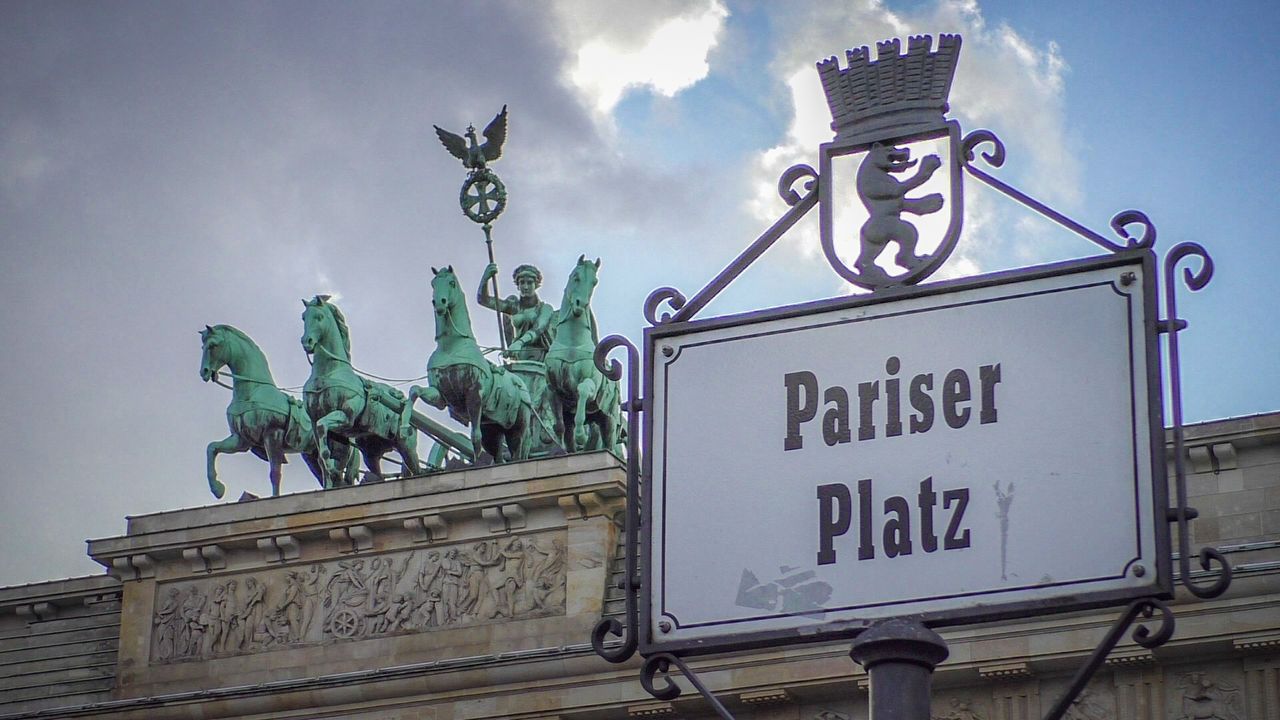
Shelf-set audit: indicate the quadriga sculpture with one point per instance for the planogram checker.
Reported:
(586, 396)
(262, 418)
(492, 401)
(346, 408)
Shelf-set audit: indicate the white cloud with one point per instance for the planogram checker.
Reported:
(1004, 82)
(657, 46)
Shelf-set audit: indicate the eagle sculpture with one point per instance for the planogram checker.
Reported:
(473, 155)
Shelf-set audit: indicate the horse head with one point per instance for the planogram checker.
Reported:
(449, 303)
(323, 326)
(582, 283)
(445, 293)
(212, 355)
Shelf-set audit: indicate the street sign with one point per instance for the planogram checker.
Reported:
(959, 452)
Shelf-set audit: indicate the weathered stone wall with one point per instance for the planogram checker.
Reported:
(472, 563)
(58, 643)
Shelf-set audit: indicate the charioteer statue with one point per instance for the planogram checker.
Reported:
(527, 324)
(528, 328)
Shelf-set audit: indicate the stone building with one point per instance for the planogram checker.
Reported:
(471, 594)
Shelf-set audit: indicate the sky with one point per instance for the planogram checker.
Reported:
(164, 166)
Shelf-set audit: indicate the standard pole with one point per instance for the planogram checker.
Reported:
(497, 299)
(899, 656)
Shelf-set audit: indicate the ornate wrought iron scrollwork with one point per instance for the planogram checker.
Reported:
(1121, 222)
(659, 666)
(674, 299)
(1181, 512)
(996, 157)
(629, 632)
(786, 183)
(1144, 636)
(800, 205)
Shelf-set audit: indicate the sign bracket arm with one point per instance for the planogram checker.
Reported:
(1119, 223)
(800, 206)
(1181, 513)
(1146, 608)
(660, 665)
(628, 631)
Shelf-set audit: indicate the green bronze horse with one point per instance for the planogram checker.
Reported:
(262, 418)
(586, 396)
(493, 401)
(345, 407)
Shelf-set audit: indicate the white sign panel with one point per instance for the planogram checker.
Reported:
(955, 455)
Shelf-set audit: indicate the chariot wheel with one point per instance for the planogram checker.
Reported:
(345, 624)
(483, 196)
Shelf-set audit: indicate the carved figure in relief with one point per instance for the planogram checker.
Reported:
(167, 621)
(289, 608)
(397, 615)
(1204, 698)
(214, 619)
(382, 581)
(345, 595)
(510, 564)
(491, 579)
(885, 198)
(250, 616)
(275, 629)
(961, 709)
(311, 591)
(451, 584)
(475, 581)
(194, 617)
(546, 574)
(228, 619)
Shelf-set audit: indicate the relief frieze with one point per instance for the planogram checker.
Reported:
(423, 590)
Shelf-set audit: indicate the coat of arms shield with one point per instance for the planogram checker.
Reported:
(892, 140)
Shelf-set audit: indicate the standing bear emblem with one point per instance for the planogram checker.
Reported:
(885, 198)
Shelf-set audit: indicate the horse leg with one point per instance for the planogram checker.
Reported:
(405, 442)
(406, 446)
(475, 405)
(311, 458)
(231, 444)
(350, 468)
(373, 461)
(335, 420)
(586, 389)
(273, 443)
(520, 436)
(492, 440)
(406, 412)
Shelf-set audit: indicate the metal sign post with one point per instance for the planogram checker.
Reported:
(914, 451)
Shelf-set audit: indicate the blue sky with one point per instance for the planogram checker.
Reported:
(169, 165)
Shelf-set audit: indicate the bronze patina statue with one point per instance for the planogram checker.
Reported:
(348, 409)
(528, 325)
(590, 402)
(262, 418)
(494, 402)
